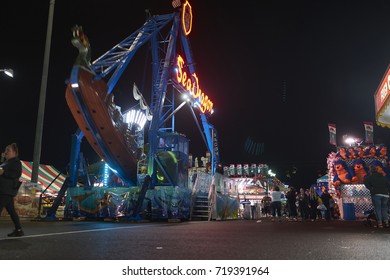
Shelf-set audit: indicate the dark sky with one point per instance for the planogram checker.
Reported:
(330, 55)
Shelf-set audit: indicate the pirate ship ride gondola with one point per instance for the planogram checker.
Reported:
(97, 116)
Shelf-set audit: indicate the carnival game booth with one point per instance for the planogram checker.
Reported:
(347, 170)
(251, 191)
(382, 100)
(50, 181)
(253, 182)
(323, 181)
(321, 184)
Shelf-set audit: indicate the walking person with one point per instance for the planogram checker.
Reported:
(313, 203)
(253, 210)
(303, 204)
(291, 204)
(332, 210)
(325, 197)
(379, 188)
(10, 172)
(276, 204)
(266, 201)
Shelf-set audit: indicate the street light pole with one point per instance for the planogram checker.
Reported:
(8, 72)
(42, 98)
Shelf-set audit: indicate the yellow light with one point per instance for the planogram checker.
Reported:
(186, 18)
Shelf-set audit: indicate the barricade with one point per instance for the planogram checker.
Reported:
(349, 211)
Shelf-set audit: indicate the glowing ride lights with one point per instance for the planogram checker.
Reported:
(106, 174)
(184, 79)
(135, 117)
(186, 18)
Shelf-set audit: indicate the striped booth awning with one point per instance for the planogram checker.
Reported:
(46, 175)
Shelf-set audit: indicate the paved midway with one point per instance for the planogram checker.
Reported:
(195, 240)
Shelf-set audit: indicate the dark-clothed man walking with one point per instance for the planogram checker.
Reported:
(10, 172)
(379, 188)
(291, 200)
(325, 197)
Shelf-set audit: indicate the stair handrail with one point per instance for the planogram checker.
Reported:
(211, 199)
(193, 194)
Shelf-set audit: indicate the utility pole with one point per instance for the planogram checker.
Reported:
(42, 98)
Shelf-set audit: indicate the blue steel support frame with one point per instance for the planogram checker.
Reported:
(74, 157)
(120, 56)
(207, 127)
(71, 179)
(208, 130)
(114, 62)
(159, 94)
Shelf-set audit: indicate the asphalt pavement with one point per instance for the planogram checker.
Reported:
(195, 240)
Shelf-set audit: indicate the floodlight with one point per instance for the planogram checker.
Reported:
(8, 72)
(350, 141)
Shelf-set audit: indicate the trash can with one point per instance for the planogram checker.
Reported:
(349, 211)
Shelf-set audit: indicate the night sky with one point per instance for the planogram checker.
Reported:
(278, 72)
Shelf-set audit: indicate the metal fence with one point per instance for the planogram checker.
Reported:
(359, 196)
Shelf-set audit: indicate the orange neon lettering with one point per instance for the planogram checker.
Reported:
(186, 18)
(184, 81)
(193, 86)
(196, 90)
(189, 85)
(179, 74)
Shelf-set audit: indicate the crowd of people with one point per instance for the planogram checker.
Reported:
(305, 204)
(308, 204)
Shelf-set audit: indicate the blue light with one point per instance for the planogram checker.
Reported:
(106, 174)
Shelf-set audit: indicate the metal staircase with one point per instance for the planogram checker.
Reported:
(202, 197)
(202, 208)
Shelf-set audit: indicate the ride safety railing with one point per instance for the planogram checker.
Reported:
(212, 200)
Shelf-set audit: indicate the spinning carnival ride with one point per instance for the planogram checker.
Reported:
(121, 143)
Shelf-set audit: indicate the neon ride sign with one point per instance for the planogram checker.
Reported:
(192, 86)
(186, 18)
